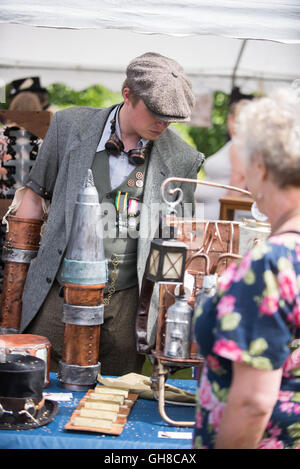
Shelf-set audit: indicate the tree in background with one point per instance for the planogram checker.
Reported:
(63, 97)
(207, 140)
(210, 140)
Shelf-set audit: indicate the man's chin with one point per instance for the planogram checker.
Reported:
(153, 135)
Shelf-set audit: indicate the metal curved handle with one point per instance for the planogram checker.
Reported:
(172, 192)
(196, 256)
(194, 181)
(161, 401)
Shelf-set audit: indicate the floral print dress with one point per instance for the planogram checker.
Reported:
(255, 319)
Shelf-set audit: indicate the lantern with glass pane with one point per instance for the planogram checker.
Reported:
(166, 262)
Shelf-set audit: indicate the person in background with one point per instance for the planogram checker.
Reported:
(224, 167)
(32, 85)
(249, 391)
(12, 173)
(25, 101)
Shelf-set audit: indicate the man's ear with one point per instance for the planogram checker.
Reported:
(126, 95)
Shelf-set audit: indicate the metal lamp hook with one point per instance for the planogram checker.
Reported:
(171, 204)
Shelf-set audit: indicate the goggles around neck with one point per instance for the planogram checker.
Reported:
(114, 146)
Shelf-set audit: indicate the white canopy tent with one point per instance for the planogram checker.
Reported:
(84, 43)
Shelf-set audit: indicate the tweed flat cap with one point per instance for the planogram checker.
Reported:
(160, 82)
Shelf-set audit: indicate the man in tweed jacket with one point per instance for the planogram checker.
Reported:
(155, 93)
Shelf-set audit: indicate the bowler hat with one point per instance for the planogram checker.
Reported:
(162, 85)
(22, 405)
(31, 84)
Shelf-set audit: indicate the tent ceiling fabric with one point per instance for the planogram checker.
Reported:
(81, 58)
(276, 20)
(91, 42)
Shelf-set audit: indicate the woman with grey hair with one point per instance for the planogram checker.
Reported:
(249, 390)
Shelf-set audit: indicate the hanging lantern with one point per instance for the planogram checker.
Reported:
(166, 261)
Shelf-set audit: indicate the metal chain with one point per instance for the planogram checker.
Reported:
(113, 276)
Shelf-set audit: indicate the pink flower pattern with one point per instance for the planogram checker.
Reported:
(228, 349)
(229, 345)
(287, 282)
(286, 407)
(273, 430)
(269, 305)
(292, 361)
(213, 363)
(296, 314)
(225, 305)
(226, 278)
(243, 268)
(216, 413)
(199, 419)
(270, 443)
(296, 409)
(284, 396)
(205, 393)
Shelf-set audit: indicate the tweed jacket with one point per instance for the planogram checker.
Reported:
(64, 158)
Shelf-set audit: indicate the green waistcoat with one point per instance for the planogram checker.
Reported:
(120, 216)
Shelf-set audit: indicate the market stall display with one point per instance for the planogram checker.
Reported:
(102, 410)
(211, 247)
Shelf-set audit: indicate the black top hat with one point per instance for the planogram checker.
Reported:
(22, 405)
(31, 84)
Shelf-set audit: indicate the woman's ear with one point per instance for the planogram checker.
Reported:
(261, 168)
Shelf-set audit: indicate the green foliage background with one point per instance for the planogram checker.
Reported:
(206, 140)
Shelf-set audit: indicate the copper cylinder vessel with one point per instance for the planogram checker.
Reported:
(84, 276)
(20, 247)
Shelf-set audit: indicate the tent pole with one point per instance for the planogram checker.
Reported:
(237, 62)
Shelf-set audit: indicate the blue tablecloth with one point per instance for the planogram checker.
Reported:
(140, 431)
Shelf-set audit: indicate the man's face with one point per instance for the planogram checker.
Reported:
(143, 122)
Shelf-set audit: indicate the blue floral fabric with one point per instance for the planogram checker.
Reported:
(255, 319)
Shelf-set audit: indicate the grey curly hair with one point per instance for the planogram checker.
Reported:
(270, 127)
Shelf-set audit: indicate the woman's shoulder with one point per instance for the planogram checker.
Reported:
(276, 245)
(277, 254)
(285, 245)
